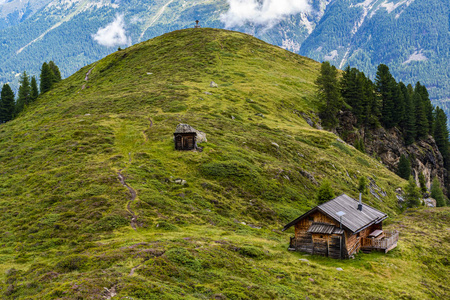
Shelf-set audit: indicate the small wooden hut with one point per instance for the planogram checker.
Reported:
(340, 228)
(186, 137)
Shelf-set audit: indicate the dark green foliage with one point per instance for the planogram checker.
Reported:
(412, 193)
(72, 263)
(409, 121)
(329, 95)
(421, 117)
(427, 106)
(227, 169)
(423, 186)
(362, 184)
(441, 135)
(386, 89)
(183, 258)
(252, 252)
(325, 192)
(404, 167)
(359, 145)
(24, 94)
(46, 78)
(34, 89)
(7, 104)
(56, 74)
(436, 193)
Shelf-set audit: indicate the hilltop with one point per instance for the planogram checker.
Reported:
(94, 157)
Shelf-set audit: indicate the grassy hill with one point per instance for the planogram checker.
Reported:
(67, 216)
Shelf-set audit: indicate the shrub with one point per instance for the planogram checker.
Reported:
(183, 257)
(325, 192)
(251, 251)
(72, 263)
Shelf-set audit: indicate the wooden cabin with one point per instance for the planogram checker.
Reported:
(186, 137)
(340, 228)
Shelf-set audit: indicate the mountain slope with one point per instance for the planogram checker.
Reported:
(92, 159)
(410, 36)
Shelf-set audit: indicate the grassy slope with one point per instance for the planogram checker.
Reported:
(66, 225)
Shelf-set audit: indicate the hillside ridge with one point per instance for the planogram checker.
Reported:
(208, 223)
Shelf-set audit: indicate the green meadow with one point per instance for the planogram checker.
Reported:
(66, 217)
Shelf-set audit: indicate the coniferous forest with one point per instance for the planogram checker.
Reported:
(383, 102)
(11, 106)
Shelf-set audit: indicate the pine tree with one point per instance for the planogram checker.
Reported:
(56, 74)
(46, 78)
(34, 89)
(441, 135)
(409, 121)
(404, 167)
(421, 118)
(385, 87)
(24, 94)
(7, 104)
(428, 106)
(325, 192)
(362, 184)
(412, 193)
(422, 183)
(436, 193)
(373, 108)
(329, 95)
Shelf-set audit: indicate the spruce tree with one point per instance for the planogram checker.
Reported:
(441, 135)
(56, 74)
(428, 106)
(46, 78)
(412, 193)
(34, 89)
(7, 104)
(409, 121)
(325, 192)
(24, 94)
(329, 95)
(404, 167)
(385, 87)
(421, 118)
(373, 108)
(422, 183)
(436, 193)
(362, 184)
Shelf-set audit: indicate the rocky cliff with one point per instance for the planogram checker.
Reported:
(388, 145)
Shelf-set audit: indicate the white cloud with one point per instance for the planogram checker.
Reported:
(261, 12)
(113, 34)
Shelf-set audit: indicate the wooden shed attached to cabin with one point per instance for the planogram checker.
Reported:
(186, 137)
(340, 228)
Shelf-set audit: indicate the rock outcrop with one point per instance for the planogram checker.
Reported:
(388, 146)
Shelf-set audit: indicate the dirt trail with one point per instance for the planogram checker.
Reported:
(133, 197)
(87, 77)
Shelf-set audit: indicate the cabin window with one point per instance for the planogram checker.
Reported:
(321, 236)
(357, 235)
(311, 219)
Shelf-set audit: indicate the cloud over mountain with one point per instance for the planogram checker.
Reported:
(113, 34)
(263, 12)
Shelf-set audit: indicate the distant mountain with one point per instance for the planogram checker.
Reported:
(411, 36)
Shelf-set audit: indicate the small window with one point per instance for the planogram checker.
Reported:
(311, 219)
(321, 236)
(357, 235)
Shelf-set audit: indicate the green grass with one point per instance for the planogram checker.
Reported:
(66, 226)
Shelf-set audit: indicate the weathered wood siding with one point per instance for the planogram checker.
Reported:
(353, 242)
(320, 244)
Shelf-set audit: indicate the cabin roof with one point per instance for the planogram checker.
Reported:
(354, 220)
(325, 229)
(185, 128)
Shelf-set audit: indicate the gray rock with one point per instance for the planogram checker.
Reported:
(213, 84)
(275, 144)
(303, 259)
(339, 269)
(259, 115)
(208, 93)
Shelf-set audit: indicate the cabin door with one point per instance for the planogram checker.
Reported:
(189, 142)
(178, 142)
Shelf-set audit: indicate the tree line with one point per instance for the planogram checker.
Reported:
(11, 106)
(383, 102)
